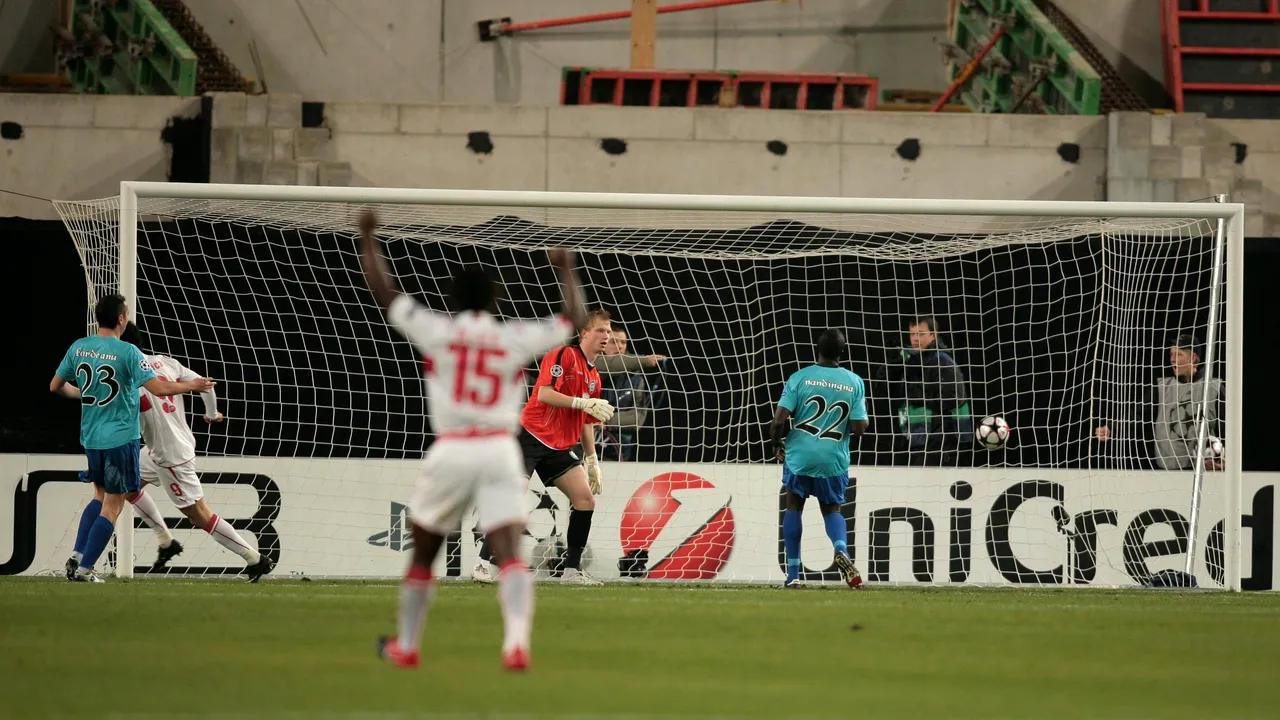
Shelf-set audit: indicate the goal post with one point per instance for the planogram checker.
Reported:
(128, 288)
(739, 265)
(1234, 239)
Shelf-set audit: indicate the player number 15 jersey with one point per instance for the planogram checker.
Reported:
(475, 363)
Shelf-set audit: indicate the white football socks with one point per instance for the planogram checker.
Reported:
(515, 594)
(416, 593)
(225, 536)
(150, 514)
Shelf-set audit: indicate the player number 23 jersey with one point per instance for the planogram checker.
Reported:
(108, 373)
(475, 363)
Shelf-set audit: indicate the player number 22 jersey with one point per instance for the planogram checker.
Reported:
(474, 363)
(822, 401)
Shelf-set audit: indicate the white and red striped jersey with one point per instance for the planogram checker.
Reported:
(164, 419)
(474, 363)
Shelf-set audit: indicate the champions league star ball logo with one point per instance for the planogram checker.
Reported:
(677, 526)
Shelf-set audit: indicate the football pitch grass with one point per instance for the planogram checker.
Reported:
(159, 648)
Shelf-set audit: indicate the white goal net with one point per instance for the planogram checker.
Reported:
(1064, 323)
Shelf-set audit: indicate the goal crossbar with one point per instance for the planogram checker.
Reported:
(647, 201)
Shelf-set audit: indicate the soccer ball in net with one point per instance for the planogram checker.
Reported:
(1214, 448)
(992, 433)
(548, 552)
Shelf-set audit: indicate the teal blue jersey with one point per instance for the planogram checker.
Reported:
(822, 401)
(108, 372)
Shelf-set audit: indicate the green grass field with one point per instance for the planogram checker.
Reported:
(226, 649)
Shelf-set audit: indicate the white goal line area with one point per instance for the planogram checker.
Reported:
(1056, 315)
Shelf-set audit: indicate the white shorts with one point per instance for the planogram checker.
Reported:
(456, 472)
(180, 482)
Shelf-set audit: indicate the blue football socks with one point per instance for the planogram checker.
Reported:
(792, 528)
(837, 530)
(99, 536)
(87, 518)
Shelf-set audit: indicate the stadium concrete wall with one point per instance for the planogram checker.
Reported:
(345, 518)
(429, 50)
(81, 146)
(722, 151)
(75, 147)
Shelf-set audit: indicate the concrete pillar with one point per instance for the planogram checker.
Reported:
(260, 139)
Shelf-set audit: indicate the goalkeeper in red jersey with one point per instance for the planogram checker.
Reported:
(562, 411)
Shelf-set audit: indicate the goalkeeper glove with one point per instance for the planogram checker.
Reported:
(594, 478)
(595, 407)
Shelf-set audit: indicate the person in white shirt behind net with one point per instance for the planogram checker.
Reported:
(168, 461)
(474, 366)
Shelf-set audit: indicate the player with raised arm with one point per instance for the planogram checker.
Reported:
(475, 365)
(562, 411)
(104, 374)
(168, 460)
(815, 450)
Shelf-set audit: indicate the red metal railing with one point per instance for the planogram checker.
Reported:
(846, 91)
(511, 28)
(1171, 19)
(968, 71)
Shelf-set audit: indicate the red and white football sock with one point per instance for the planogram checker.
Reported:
(222, 533)
(416, 593)
(515, 594)
(150, 514)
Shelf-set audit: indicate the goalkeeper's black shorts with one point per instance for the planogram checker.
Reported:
(547, 462)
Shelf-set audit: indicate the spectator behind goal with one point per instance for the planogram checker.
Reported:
(933, 423)
(627, 390)
(1177, 401)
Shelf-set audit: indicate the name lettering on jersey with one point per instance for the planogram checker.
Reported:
(481, 338)
(556, 371)
(81, 352)
(830, 385)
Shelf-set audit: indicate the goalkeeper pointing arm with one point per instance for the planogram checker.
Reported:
(562, 409)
